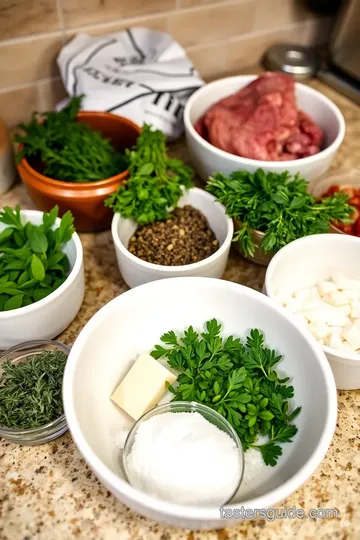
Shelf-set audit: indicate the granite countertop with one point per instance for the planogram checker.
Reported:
(48, 493)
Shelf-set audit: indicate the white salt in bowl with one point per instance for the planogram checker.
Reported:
(208, 159)
(302, 264)
(132, 324)
(188, 407)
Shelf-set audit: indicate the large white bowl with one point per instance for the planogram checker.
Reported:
(208, 159)
(48, 317)
(303, 263)
(132, 324)
(136, 272)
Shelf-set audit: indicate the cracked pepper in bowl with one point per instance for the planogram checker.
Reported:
(184, 238)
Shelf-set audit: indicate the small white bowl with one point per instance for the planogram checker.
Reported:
(136, 272)
(132, 324)
(48, 317)
(303, 263)
(208, 159)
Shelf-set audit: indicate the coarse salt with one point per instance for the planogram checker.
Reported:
(183, 458)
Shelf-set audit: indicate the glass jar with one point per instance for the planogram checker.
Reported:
(50, 431)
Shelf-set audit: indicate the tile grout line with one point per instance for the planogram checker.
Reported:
(61, 19)
(22, 86)
(250, 35)
(167, 13)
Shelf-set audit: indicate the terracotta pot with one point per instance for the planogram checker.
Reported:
(85, 200)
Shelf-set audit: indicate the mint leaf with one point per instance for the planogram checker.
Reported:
(14, 302)
(38, 241)
(37, 268)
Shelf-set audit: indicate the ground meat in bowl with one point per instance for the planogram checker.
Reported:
(262, 122)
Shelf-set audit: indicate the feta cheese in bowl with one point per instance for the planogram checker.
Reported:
(317, 279)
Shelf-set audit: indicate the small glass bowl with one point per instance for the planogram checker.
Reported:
(186, 406)
(51, 430)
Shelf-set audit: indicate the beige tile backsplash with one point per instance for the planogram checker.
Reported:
(220, 37)
(27, 17)
(81, 12)
(212, 23)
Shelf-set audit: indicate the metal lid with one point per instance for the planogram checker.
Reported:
(300, 62)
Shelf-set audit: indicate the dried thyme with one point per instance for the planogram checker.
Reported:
(30, 391)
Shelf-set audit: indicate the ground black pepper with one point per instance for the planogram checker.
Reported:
(184, 238)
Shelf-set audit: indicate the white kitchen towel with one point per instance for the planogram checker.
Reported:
(137, 73)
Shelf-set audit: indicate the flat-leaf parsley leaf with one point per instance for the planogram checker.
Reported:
(238, 380)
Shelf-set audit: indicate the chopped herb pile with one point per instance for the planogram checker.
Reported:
(238, 380)
(32, 264)
(69, 150)
(30, 391)
(276, 204)
(156, 181)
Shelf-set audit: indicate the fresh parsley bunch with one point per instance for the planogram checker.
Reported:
(276, 204)
(238, 380)
(69, 150)
(156, 181)
(32, 264)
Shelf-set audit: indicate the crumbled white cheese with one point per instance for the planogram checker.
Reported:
(338, 298)
(330, 309)
(335, 341)
(352, 295)
(326, 287)
(355, 310)
(352, 336)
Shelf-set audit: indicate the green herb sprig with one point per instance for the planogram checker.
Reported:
(69, 150)
(238, 380)
(276, 204)
(30, 391)
(156, 181)
(32, 263)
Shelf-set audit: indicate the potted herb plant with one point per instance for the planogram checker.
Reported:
(75, 159)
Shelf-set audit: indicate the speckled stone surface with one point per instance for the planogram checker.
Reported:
(48, 493)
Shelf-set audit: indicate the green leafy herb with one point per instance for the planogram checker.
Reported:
(276, 204)
(69, 150)
(238, 380)
(30, 391)
(156, 181)
(32, 264)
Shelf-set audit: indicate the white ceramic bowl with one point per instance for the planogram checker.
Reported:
(303, 263)
(136, 272)
(208, 159)
(48, 317)
(132, 324)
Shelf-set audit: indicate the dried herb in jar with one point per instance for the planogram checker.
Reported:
(184, 238)
(30, 391)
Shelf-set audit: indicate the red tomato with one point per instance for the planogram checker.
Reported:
(331, 191)
(356, 214)
(357, 227)
(355, 201)
(349, 228)
(350, 190)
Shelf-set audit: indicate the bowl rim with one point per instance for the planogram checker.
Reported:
(176, 269)
(197, 512)
(242, 161)
(339, 356)
(67, 283)
(53, 424)
(82, 186)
